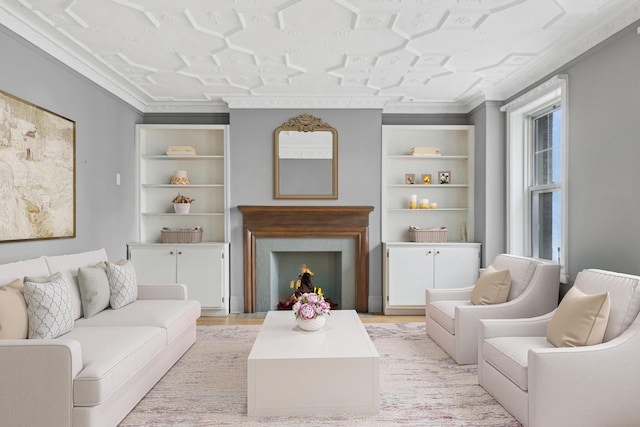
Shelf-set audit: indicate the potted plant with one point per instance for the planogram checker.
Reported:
(182, 204)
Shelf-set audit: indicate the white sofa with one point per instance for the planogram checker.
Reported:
(587, 386)
(96, 373)
(452, 321)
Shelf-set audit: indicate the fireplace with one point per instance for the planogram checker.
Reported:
(288, 224)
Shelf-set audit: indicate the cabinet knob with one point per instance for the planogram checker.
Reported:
(429, 252)
(179, 252)
(171, 253)
(437, 252)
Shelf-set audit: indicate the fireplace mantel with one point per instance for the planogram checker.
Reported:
(341, 222)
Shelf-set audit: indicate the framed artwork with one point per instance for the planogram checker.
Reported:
(37, 170)
(409, 178)
(444, 177)
(426, 178)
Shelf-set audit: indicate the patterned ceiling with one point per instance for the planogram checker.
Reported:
(399, 55)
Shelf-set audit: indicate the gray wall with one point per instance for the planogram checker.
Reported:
(105, 212)
(359, 165)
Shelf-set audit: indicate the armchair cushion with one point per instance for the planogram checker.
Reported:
(444, 313)
(509, 355)
(492, 287)
(580, 319)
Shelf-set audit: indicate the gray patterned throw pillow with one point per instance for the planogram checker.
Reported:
(123, 287)
(49, 306)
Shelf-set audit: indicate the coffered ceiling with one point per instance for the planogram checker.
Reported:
(399, 55)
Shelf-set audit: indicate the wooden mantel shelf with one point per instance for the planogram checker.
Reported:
(342, 222)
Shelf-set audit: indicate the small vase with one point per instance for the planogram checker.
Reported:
(181, 208)
(311, 324)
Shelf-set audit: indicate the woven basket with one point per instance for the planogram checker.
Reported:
(428, 235)
(181, 235)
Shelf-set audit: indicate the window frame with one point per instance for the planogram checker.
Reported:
(520, 165)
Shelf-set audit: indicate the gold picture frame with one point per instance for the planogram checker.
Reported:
(426, 178)
(37, 169)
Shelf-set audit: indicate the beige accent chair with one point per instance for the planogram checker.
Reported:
(452, 320)
(588, 386)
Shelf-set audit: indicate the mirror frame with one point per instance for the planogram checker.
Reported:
(305, 123)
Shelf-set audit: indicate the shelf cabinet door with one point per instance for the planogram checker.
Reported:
(456, 267)
(154, 265)
(410, 272)
(201, 269)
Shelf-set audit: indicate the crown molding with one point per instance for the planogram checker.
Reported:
(187, 107)
(297, 101)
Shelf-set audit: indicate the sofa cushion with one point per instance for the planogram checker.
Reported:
(14, 322)
(123, 287)
(579, 320)
(68, 266)
(624, 296)
(521, 270)
(509, 355)
(492, 287)
(443, 312)
(173, 315)
(17, 270)
(94, 288)
(49, 306)
(111, 356)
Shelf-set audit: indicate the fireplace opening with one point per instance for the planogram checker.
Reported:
(326, 268)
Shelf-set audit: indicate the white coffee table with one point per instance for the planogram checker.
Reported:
(331, 371)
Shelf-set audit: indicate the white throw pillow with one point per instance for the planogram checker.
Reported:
(492, 287)
(14, 321)
(579, 320)
(49, 306)
(94, 289)
(122, 283)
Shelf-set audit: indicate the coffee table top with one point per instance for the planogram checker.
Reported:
(343, 335)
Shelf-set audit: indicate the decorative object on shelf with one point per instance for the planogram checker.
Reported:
(302, 285)
(424, 203)
(428, 235)
(310, 311)
(180, 178)
(444, 177)
(413, 203)
(463, 232)
(181, 235)
(181, 150)
(424, 151)
(433, 205)
(426, 178)
(409, 178)
(182, 204)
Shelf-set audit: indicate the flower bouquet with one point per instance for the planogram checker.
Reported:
(181, 204)
(310, 310)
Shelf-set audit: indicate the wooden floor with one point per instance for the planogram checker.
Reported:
(256, 319)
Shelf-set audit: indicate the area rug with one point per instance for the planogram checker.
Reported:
(419, 386)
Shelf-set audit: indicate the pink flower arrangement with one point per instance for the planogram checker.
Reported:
(311, 305)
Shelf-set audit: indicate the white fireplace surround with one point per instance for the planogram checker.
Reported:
(266, 281)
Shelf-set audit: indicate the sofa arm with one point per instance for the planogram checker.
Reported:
(37, 381)
(163, 291)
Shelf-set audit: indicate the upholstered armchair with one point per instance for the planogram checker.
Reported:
(547, 386)
(452, 320)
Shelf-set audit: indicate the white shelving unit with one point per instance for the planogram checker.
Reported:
(409, 267)
(207, 171)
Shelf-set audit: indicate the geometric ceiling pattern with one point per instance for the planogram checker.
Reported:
(399, 55)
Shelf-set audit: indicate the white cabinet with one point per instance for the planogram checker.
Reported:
(454, 199)
(203, 268)
(410, 268)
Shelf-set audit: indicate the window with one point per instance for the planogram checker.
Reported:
(536, 173)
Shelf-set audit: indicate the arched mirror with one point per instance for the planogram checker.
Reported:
(305, 159)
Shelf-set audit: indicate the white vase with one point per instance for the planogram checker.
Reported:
(311, 324)
(181, 208)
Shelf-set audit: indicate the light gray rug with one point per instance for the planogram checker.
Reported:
(419, 385)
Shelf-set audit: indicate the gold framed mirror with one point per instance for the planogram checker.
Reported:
(305, 159)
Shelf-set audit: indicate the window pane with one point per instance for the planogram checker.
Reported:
(546, 222)
(547, 133)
